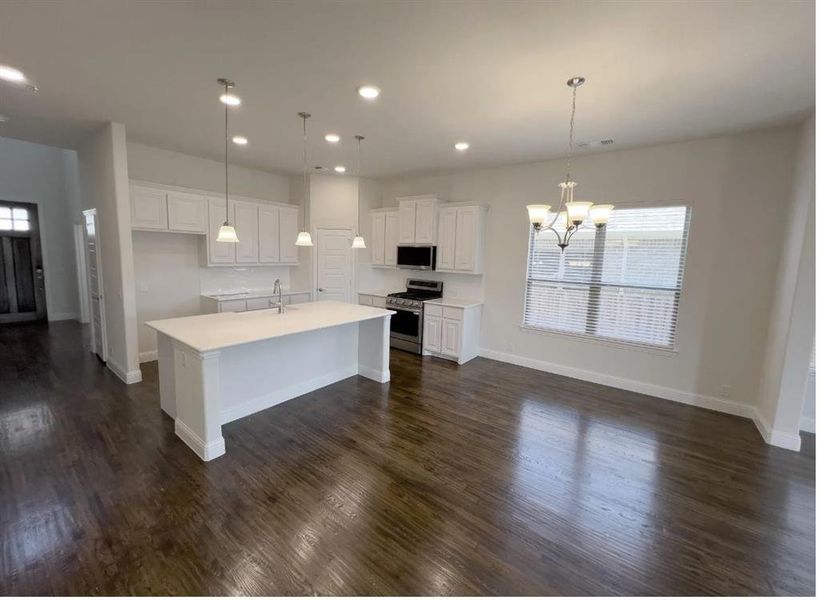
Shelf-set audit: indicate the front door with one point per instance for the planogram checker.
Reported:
(22, 282)
(93, 263)
(334, 265)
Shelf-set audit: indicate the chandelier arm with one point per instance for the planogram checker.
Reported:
(555, 231)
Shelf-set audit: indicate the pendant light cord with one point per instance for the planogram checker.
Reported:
(226, 156)
(571, 147)
(304, 168)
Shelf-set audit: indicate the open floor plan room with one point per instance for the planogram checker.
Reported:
(407, 298)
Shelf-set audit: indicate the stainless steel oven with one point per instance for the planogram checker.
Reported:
(407, 325)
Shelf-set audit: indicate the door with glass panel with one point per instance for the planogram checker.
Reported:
(22, 282)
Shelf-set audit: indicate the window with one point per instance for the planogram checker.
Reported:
(622, 282)
(14, 219)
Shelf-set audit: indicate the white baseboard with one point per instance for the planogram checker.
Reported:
(632, 385)
(128, 377)
(775, 437)
(374, 374)
(275, 397)
(148, 356)
(64, 316)
(204, 451)
(807, 424)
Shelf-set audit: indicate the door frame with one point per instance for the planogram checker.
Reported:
(38, 257)
(103, 354)
(315, 260)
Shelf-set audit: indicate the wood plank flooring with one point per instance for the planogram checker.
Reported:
(480, 479)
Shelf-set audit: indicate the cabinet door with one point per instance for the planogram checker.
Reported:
(218, 252)
(268, 234)
(377, 238)
(259, 303)
(391, 237)
(450, 337)
(288, 224)
(232, 305)
(426, 220)
(246, 217)
(149, 209)
(432, 333)
(466, 230)
(445, 252)
(186, 212)
(407, 222)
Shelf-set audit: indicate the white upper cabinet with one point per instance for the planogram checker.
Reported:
(418, 219)
(391, 237)
(246, 222)
(384, 231)
(268, 234)
(461, 239)
(187, 213)
(149, 208)
(288, 230)
(218, 252)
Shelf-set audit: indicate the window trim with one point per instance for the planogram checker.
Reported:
(615, 342)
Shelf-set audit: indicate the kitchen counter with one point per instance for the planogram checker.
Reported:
(380, 293)
(251, 294)
(455, 302)
(219, 367)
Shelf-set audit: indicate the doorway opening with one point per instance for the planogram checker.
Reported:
(93, 266)
(22, 280)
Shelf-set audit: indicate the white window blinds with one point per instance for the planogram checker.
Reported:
(622, 282)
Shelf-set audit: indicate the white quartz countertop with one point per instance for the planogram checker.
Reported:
(216, 331)
(251, 294)
(380, 293)
(455, 302)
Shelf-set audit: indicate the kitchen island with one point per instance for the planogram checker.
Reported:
(216, 368)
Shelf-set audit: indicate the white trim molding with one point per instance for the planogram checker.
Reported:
(128, 377)
(807, 424)
(148, 356)
(64, 316)
(776, 437)
(205, 451)
(712, 403)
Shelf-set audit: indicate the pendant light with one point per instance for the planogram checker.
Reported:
(303, 239)
(226, 233)
(358, 241)
(574, 212)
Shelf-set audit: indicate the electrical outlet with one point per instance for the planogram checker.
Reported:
(725, 391)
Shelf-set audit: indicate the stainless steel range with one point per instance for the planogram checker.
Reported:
(407, 325)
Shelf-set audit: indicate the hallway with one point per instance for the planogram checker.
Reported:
(480, 479)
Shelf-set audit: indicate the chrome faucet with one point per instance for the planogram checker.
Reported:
(277, 289)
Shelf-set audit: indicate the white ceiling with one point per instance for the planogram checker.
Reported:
(489, 72)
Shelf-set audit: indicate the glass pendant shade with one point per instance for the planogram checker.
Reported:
(227, 234)
(358, 242)
(303, 239)
(538, 214)
(599, 213)
(577, 211)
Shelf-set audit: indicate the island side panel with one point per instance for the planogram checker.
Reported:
(165, 358)
(374, 349)
(196, 382)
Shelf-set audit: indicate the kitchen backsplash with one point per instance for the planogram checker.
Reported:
(455, 285)
(221, 280)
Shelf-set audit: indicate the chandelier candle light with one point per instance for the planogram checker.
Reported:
(358, 241)
(574, 212)
(226, 233)
(303, 239)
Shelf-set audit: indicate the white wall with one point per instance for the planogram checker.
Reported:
(169, 278)
(736, 187)
(791, 322)
(48, 177)
(104, 185)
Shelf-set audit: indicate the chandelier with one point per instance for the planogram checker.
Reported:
(574, 212)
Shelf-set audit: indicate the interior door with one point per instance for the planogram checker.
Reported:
(93, 262)
(334, 265)
(22, 281)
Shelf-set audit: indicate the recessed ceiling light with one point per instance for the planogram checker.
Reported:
(230, 99)
(240, 140)
(339, 169)
(462, 146)
(369, 92)
(11, 74)
(332, 138)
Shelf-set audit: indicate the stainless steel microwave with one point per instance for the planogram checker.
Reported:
(420, 258)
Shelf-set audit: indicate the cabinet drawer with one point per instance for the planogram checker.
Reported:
(365, 300)
(448, 312)
(433, 310)
(260, 303)
(232, 306)
(379, 301)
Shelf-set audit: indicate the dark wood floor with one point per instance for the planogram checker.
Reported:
(480, 479)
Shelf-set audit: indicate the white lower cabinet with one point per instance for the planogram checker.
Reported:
(218, 305)
(452, 331)
(371, 300)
